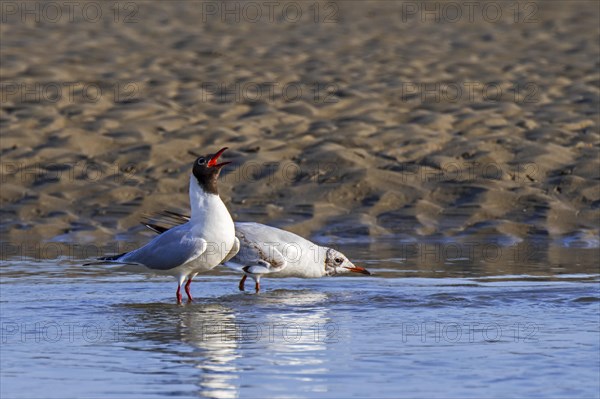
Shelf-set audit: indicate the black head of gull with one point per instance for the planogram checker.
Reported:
(206, 171)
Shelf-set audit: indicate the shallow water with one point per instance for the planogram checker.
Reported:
(404, 332)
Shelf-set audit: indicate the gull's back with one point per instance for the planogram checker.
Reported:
(256, 240)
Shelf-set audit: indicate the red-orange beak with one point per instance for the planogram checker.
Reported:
(358, 269)
(213, 161)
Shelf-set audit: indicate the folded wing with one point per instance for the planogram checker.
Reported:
(174, 248)
(257, 258)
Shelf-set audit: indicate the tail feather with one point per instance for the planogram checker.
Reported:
(175, 215)
(158, 223)
(164, 220)
(107, 260)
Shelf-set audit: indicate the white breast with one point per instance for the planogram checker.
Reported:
(212, 222)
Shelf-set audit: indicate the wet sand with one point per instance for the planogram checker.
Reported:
(368, 123)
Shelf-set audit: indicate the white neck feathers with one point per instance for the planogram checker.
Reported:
(200, 199)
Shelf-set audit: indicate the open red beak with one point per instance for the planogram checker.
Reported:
(358, 269)
(213, 161)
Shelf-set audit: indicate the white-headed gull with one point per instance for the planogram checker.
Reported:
(266, 250)
(204, 241)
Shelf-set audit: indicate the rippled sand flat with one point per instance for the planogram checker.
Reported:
(331, 124)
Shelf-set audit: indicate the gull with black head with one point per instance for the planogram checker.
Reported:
(204, 241)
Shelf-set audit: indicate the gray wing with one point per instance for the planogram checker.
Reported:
(169, 250)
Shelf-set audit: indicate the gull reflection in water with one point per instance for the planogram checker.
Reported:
(243, 340)
(208, 329)
(292, 344)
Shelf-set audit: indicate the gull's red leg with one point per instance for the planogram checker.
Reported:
(179, 294)
(187, 289)
(257, 286)
(242, 281)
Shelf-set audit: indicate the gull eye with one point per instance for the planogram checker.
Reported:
(338, 261)
(201, 161)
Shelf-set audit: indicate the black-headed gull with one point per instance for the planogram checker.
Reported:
(204, 241)
(266, 250)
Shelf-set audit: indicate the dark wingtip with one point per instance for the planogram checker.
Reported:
(105, 259)
(155, 228)
(177, 215)
(114, 257)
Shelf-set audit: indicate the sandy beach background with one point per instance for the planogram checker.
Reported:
(345, 120)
